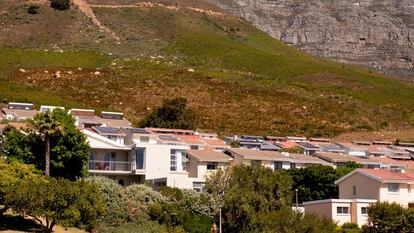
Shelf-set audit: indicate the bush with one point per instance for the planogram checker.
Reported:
(115, 200)
(140, 197)
(199, 203)
(173, 194)
(57, 201)
(350, 227)
(60, 4)
(33, 9)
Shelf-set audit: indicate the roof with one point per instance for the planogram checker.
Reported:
(269, 146)
(109, 130)
(209, 156)
(189, 139)
(320, 140)
(383, 176)
(120, 123)
(97, 141)
(350, 146)
(82, 112)
(175, 131)
(138, 130)
(301, 158)
(89, 120)
(19, 113)
(287, 144)
(307, 145)
(256, 154)
(329, 147)
(214, 142)
(275, 138)
(393, 162)
(342, 158)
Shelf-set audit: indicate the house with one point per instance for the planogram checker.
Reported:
(215, 144)
(272, 159)
(352, 149)
(341, 210)
(113, 133)
(85, 118)
(308, 148)
(45, 108)
(329, 147)
(115, 119)
(361, 188)
(296, 139)
(171, 131)
(160, 159)
(18, 111)
(339, 159)
(112, 159)
(204, 162)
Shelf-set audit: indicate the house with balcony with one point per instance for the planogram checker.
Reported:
(160, 159)
(361, 188)
(111, 159)
(113, 133)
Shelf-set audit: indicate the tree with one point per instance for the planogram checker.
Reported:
(60, 4)
(11, 173)
(250, 191)
(317, 182)
(69, 151)
(173, 113)
(57, 202)
(47, 126)
(386, 217)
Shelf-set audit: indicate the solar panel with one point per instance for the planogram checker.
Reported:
(307, 145)
(108, 130)
(138, 130)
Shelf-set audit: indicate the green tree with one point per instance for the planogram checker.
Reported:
(173, 113)
(69, 150)
(47, 126)
(317, 182)
(11, 173)
(388, 218)
(60, 4)
(250, 191)
(57, 202)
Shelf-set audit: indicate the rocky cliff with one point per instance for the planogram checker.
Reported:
(374, 33)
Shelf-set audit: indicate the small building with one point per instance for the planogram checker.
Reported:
(115, 119)
(18, 111)
(352, 149)
(85, 118)
(308, 148)
(46, 108)
(340, 159)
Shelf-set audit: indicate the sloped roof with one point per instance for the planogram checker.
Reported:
(256, 154)
(342, 158)
(97, 141)
(209, 156)
(383, 176)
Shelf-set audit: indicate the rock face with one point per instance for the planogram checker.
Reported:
(374, 33)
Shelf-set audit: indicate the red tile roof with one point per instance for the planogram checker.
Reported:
(388, 175)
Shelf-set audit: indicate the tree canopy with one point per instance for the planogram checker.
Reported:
(69, 151)
(174, 113)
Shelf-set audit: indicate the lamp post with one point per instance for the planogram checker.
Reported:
(220, 222)
(297, 199)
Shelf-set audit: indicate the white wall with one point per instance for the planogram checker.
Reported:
(403, 197)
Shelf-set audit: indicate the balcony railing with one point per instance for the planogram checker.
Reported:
(100, 165)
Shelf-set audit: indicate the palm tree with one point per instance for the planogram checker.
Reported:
(46, 126)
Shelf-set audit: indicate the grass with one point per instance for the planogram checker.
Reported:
(244, 80)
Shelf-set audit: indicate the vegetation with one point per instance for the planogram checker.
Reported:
(257, 199)
(57, 201)
(173, 113)
(317, 182)
(388, 218)
(69, 152)
(243, 81)
(33, 9)
(60, 4)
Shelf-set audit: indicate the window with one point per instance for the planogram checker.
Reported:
(293, 165)
(194, 147)
(364, 210)
(342, 210)
(144, 139)
(354, 190)
(173, 161)
(409, 188)
(256, 162)
(139, 158)
(278, 165)
(212, 166)
(393, 188)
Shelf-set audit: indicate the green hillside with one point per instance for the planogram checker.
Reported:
(244, 81)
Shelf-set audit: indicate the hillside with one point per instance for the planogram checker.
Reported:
(244, 80)
(377, 34)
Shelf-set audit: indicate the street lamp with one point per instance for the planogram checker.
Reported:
(297, 199)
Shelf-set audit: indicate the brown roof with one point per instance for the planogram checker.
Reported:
(341, 158)
(20, 113)
(385, 175)
(301, 158)
(209, 156)
(119, 123)
(256, 154)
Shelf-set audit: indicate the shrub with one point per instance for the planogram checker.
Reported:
(140, 197)
(33, 9)
(198, 203)
(60, 4)
(350, 227)
(173, 194)
(115, 200)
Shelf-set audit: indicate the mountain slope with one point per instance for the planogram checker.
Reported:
(378, 34)
(244, 80)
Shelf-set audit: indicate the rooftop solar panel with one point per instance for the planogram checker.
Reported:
(108, 130)
(138, 130)
(168, 138)
(307, 145)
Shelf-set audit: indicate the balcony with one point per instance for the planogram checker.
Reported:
(101, 166)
